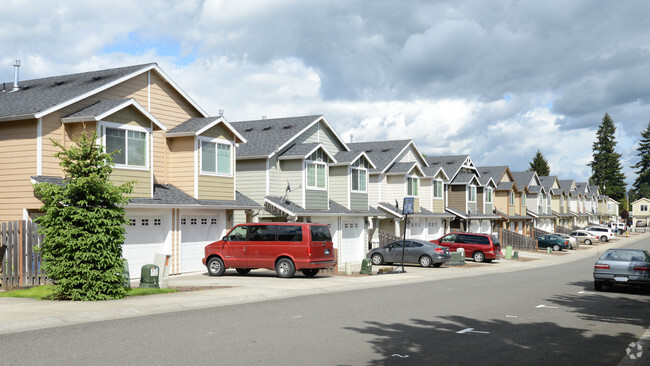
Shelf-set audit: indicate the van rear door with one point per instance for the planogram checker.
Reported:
(321, 247)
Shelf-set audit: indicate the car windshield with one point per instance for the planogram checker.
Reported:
(626, 255)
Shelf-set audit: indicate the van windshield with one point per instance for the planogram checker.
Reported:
(320, 233)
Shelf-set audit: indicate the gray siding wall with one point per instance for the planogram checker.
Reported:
(274, 177)
(291, 170)
(251, 178)
(373, 189)
(358, 201)
(320, 133)
(339, 181)
(316, 199)
(471, 206)
(489, 209)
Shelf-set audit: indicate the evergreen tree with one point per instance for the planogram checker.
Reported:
(540, 165)
(641, 185)
(606, 169)
(84, 225)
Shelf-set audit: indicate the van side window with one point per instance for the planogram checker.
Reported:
(451, 238)
(262, 232)
(289, 233)
(320, 233)
(238, 233)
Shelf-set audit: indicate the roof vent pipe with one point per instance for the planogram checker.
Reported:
(221, 112)
(351, 138)
(16, 66)
(263, 117)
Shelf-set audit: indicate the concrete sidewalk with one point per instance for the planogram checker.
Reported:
(18, 315)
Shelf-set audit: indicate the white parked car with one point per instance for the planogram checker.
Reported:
(573, 243)
(603, 233)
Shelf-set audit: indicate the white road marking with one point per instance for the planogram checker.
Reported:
(546, 306)
(511, 316)
(471, 330)
(400, 356)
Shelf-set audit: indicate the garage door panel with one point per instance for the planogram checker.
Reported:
(352, 246)
(145, 237)
(196, 233)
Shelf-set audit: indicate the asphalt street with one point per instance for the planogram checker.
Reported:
(546, 315)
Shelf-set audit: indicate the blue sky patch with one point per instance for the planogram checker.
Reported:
(134, 44)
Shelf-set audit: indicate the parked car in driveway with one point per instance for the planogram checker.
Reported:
(555, 242)
(415, 251)
(641, 223)
(573, 242)
(584, 237)
(603, 233)
(480, 247)
(622, 267)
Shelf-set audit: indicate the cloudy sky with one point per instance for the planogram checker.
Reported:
(497, 80)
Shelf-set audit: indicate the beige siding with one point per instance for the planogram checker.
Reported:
(438, 206)
(480, 199)
(182, 163)
(501, 201)
(17, 164)
(291, 171)
(251, 175)
(410, 155)
(457, 197)
(129, 116)
(373, 189)
(393, 188)
(142, 188)
(53, 130)
(339, 182)
(426, 193)
(216, 188)
(274, 177)
(219, 131)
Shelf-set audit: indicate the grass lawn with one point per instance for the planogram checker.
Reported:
(45, 292)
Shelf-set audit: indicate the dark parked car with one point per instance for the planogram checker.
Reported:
(552, 241)
(622, 267)
(415, 251)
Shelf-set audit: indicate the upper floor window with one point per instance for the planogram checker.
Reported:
(216, 158)
(413, 185)
(359, 179)
(437, 188)
(523, 199)
(488, 194)
(128, 145)
(317, 170)
(610, 206)
(644, 208)
(471, 194)
(512, 198)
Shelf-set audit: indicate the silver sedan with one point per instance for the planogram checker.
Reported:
(415, 251)
(622, 267)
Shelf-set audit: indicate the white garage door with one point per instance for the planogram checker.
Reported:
(474, 226)
(196, 233)
(417, 229)
(435, 229)
(486, 227)
(352, 245)
(144, 238)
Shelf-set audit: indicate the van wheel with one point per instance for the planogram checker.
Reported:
(285, 268)
(243, 271)
(587, 242)
(556, 248)
(478, 257)
(216, 267)
(377, 259)
(425, 261)
(309, 272)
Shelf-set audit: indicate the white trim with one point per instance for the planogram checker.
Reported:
(352, 182)
(196, 168)
(433, 190)
(149, 90)
(151, 155)
(102, 125)
(39, 147)
(418, 156)
(316, 187)
(215, 141)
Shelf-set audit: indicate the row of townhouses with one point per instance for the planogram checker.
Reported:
(198, 175)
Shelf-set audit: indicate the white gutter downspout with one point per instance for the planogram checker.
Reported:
(39, 147)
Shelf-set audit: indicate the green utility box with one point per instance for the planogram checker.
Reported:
(366, 266)
(149, 276)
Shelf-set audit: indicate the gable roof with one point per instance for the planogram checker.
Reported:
(566, 185)
(105, 108)
(197, 126)
(39, 97)
(267, 137)
(303, 151)
(384, 153)
(523, 180)
(452, 164)
(350, 157)
(434, 169)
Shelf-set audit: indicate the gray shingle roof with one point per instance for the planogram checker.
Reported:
(335, 209)
(523, 179)
(494, 172)
(464, 178)
(264, 136)
(401, 168)
(547, 183)
(450, 163)
(505, 186)
(382, 153)
(300, 151)
(566, 185)
(38, 95)
(98, 108)
(193, 125)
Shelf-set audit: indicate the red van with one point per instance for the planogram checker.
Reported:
(282, 246)
(480, 247)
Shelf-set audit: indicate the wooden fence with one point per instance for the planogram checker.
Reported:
(515, 240)
(562, 230)
(386, 238)
(21, 264)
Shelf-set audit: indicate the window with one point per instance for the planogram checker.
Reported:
(216, 158)
(238, 233)
(512, 198)
(320, 233)
(523, 199)
(359, 179)
(488, 195)
(129, 147)
(413, 184)
(471, 194)
(262, 232)
(316, 175)
(437, 189)
(289, 233)
(644, 208)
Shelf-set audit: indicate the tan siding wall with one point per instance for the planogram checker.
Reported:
(143, 178)
(480, 199)
(338, 188)
(168, 105)
(17, 164)
(373, 189)
(219, 131)
(216, 188)
(182, 163)
(501, 201)
(250, 179)
(129, 116)
(52, 129)
(393, 189)
(457, 196)
(426, 192)
(438, 206)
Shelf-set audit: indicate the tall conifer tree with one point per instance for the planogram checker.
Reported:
(641, 185)
(606, 169)
(540, 165)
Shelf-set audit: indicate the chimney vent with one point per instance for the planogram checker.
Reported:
(221, 112)
(263, 117)
(16, 66)
(351, 138)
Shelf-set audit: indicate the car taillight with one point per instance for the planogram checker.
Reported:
(642, 268)
(439, 250)
(601, 266)
(566, 243)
